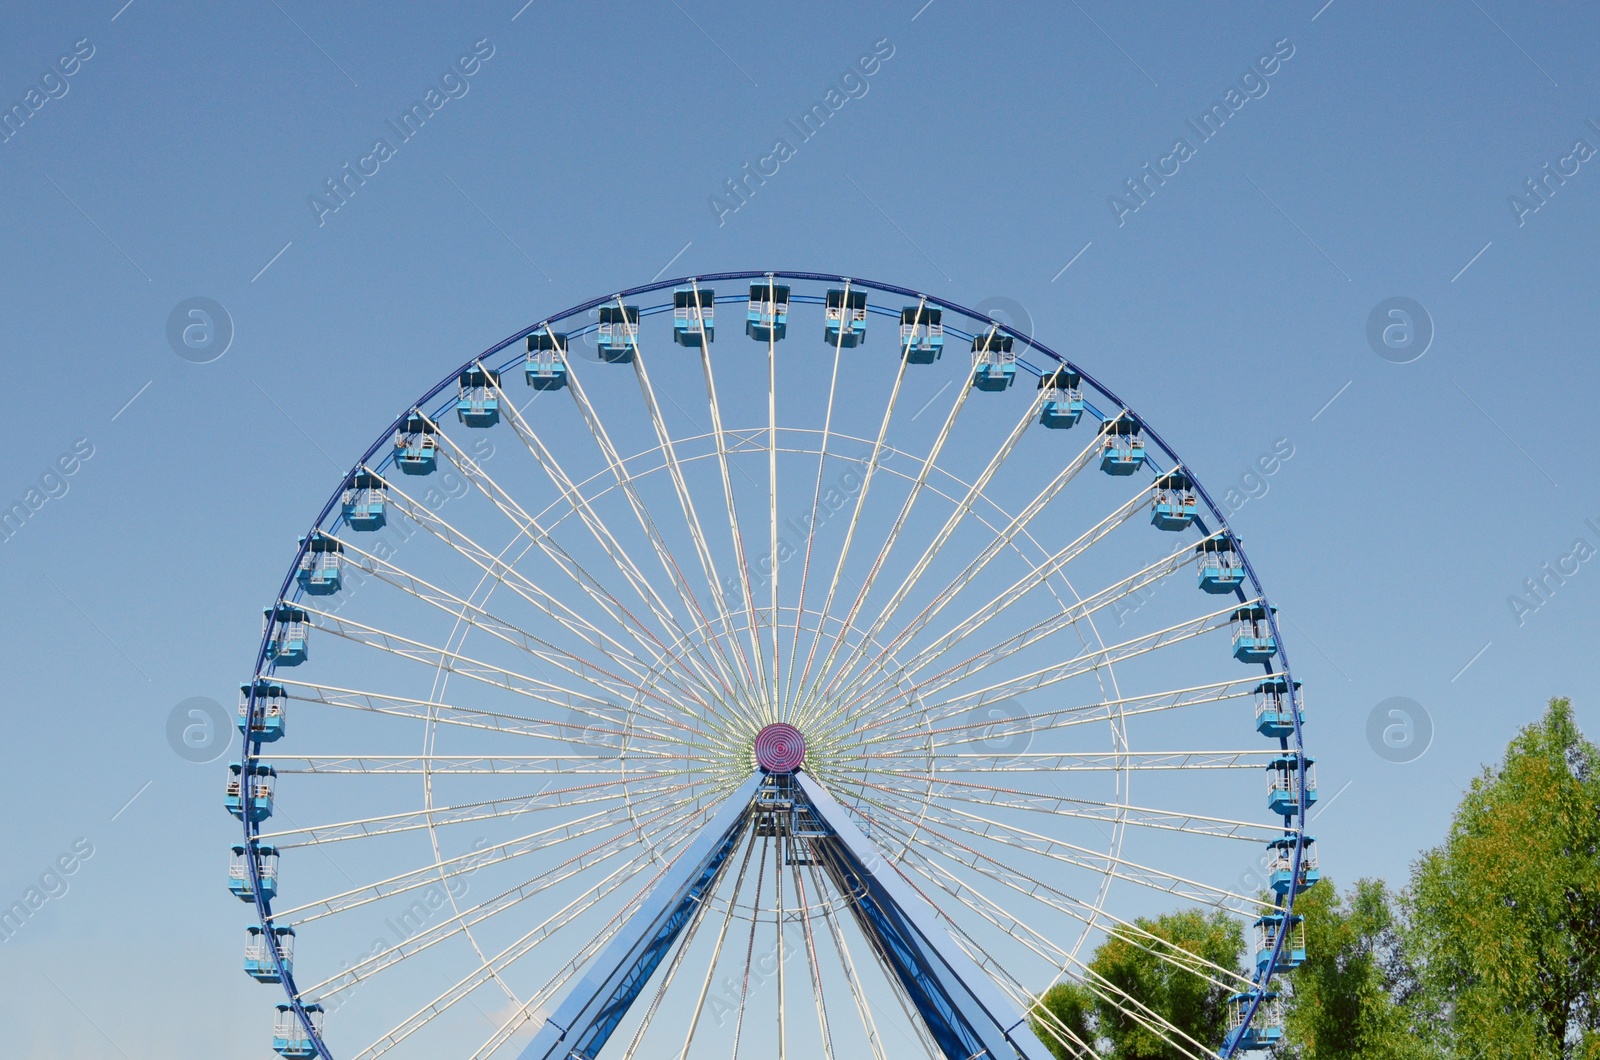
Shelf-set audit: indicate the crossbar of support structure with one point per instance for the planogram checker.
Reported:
(961, 1007)
(966, 1013)
(594, 1007)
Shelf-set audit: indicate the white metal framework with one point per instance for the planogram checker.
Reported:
(527, 691)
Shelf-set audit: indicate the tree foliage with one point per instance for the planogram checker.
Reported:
(1355, 996)
(1492, 953)
(1161, 964)
(1506, 913)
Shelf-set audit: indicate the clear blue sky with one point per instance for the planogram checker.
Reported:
(179, 158)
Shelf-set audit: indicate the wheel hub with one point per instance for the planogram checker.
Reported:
(780, 748)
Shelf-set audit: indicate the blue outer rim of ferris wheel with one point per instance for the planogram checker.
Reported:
(247, 756)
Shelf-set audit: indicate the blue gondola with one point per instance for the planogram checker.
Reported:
(268, 724)
(618, 333)
(254, 798)
(266, 867)
(1174, 503)
(1253, 640)
(994, 362)
(287, 646)
(365, 501)
(1294, 946)
(1063, 398)
(289, 1037)
(416, 450)
(767, 318)
(546, 368)
(1221, 570)
(694, 317)
(478, 397)
(1265, 1030)
(844, 315)
(1275, 708)
(1281, 864)
(258, 959)
(1122, 450)
(319, 565)
(1283, 784)
(922, 333)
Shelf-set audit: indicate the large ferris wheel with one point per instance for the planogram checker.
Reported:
(641, 694)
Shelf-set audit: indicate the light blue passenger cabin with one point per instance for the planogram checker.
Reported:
(767, 317)
(239, 882)
(1253, 639)
(1280, 865)
(416, 450)
(267, 725)
(1275, 708)
(694, 317)
(365, 501)
(1284, 781)
(1265, 1030)
(1221, 570)
(258, 952)
(844, 317)
(994, 362)
(287, 628)
(250, 795)
(289, 1037)
(1122, 445)
(318, 573)
(1063, 398)
(546, 367)
(1268, 927)
(1173, 502)
(922, 333)
(478, 397)
(618, 333)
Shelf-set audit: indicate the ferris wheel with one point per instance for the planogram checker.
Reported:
(640, 693)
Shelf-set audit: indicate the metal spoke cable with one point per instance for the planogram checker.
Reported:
(733, 513)
(719, 661)
(806, 689)
(686, 502)
(816, 498)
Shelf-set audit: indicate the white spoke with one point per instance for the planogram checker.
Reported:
(686, 502)
(928, 463)
(520, 765)
(481, 619)
(1033, 578)
(849, 537)
(1097, 811)
(811, 525)
(463, 813)
(937, 545)
(518, 949)
(647, 524)
(596, 855)
(461, 865)
(1083, 663)
(488, 673)
(539, 535)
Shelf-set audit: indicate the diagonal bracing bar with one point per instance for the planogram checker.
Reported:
(967, 1014)
(594, 1007)
(961, 1006)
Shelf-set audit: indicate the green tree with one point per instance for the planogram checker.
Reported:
(1506, 913)
(1355, 997)
(1164, 964)
(1069, 1020)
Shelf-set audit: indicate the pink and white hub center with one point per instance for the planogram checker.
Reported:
(780, 748)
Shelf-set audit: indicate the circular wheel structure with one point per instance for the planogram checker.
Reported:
(832, 689)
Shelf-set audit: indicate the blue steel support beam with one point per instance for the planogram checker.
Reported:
(968, 1015)
(581, 1026)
